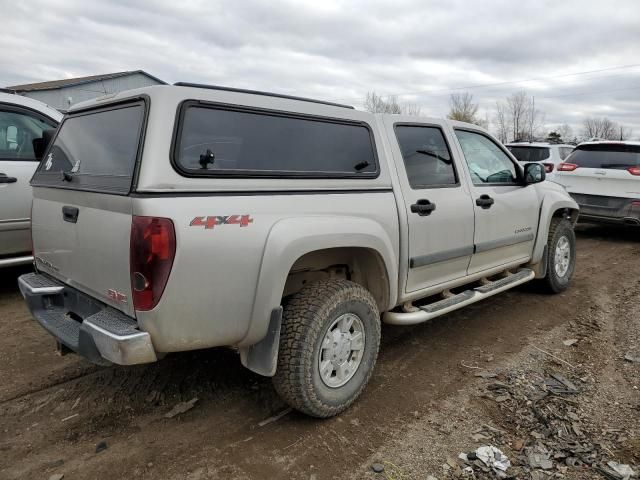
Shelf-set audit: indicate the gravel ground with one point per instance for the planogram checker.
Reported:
(424, 406)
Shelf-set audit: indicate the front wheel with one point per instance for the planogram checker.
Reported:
(329, 344)
(561, 255)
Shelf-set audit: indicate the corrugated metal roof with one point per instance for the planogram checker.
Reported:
(69, 82)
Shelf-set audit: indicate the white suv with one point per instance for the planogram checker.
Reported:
(549, 154)
(22, 123)
(604, 179)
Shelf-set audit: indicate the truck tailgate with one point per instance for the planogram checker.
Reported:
(83, 240)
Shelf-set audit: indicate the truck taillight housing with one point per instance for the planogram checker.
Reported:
(153, 248)
(567, 167)
(634, 171)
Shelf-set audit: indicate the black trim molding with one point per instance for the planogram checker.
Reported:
(432, 258)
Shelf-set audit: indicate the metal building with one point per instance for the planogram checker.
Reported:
(61, 94)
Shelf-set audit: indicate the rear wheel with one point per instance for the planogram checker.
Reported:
(329, 344)
(561, 255)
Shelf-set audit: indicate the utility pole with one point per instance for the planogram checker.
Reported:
(533, 117)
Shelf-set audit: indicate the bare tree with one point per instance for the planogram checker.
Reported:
(516, 109)
(625, 133)
(600, 128)
(500, 120)
(375, 103)
(566, 132)
(518, 119)
(411, 109)
(462, 107)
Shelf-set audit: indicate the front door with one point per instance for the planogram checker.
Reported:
(438, 206)
(506, 212)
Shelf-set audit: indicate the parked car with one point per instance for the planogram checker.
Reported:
(604, 179)
(282, 226)
(549, 154)
(22, 120)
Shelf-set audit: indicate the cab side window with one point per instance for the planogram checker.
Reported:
(17, 132)
(488, 164)
(426, 156)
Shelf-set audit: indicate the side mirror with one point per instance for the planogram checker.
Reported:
(534, 173)
(40, 144)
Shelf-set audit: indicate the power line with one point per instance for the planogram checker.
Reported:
(510, 82)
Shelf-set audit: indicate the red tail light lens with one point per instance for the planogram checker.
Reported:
(634, 170)
(567, 167)
(153, 248)
(548, 167)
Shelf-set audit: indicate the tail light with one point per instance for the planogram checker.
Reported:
(567, 167)
(548, 167)
(153, 248)
(634, 170)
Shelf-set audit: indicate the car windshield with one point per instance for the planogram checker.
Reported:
(606, 155)
(530, 154)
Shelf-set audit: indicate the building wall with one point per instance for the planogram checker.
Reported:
(59, 98)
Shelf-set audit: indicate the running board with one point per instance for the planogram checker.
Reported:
(425, 313)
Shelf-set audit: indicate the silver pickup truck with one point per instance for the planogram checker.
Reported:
(182, 217)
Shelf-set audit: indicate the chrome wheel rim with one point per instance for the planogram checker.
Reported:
(562, 258)
(341, 350)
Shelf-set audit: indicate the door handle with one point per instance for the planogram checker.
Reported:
(485, 201)
(423, 207)
(70, 214)
(5, 179)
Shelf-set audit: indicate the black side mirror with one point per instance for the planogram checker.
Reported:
(40, 144)
(534, 173)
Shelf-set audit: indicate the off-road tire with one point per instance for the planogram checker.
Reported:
(559, 228)
(306, 318)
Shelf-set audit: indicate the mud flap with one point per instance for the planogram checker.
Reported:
(262, 357)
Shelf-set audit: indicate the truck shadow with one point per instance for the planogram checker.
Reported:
(609, 233)
(9, 278)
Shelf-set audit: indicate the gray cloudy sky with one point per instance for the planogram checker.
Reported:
(420, 50)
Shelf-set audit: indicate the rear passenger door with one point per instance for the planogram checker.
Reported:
(506, 212)
(437, 204)
(18, 128)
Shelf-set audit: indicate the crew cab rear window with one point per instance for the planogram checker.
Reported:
(426, 156)
(530, 154)
(94, 150)
(216, 141)
(606, 155)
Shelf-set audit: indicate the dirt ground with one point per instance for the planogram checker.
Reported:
(423, 406)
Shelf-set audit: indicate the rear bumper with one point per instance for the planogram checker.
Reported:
(99, 333)
(603, 209)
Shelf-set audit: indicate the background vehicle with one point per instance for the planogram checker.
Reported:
(604, 178)
(549, 154)
(21, 121)
(279, 225)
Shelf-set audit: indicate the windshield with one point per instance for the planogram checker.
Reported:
(94, 151)
(530, 154)
(606, 155)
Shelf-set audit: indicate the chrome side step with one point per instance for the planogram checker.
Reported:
(15, 261)
(425, 313)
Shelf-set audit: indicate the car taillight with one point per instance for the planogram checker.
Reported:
(153, 248)
(634, 170)
(548, 167)
(567, 167)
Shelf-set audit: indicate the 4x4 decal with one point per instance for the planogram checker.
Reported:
(210, 222)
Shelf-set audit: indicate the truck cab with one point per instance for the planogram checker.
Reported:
(174, 218)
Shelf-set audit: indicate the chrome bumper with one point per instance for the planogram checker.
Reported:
(101, 334)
